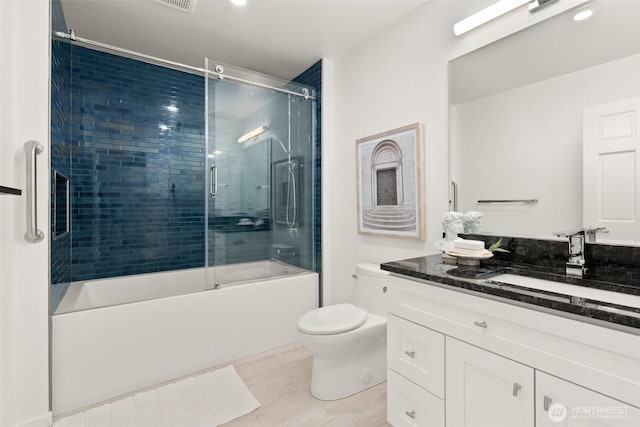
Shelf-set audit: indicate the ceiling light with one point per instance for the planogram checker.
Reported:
(485, 15)
(252, 134)
(583, 14)
(239, 2)
(171, 108)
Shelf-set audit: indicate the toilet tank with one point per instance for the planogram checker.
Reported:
(370, 288)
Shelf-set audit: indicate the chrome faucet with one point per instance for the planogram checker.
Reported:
(575, 266)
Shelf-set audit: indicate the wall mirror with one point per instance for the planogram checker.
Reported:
(547, 119)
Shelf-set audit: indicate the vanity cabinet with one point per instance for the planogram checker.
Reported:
(478, 361)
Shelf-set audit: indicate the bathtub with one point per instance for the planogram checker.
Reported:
(111, 337)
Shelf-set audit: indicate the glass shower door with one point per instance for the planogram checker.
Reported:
(258, 143)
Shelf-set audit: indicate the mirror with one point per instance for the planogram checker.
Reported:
(525, 112)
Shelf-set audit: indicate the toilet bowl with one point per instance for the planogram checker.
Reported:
(348, 341)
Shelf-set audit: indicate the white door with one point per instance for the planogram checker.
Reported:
(486, 390)
(611, 168)
(24, 267)
(562, 404)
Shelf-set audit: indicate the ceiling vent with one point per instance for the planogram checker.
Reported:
(183, 5)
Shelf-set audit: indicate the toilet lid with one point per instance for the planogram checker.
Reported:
(332, 319)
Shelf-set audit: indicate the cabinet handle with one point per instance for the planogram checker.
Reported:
(481, 324)
(547, 402)
(411, 353)
(410, 414)
(516, 389)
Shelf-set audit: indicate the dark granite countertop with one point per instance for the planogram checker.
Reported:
(478, 280)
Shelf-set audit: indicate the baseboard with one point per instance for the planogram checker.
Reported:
(45, 420)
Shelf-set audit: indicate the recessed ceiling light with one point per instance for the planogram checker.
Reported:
(583, 14)
(239, 2)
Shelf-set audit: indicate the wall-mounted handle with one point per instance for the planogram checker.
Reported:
(411, 353)
(516, 389)
(480, 324)
(213, 181)
(454, 196)
(525, 201)
(546, 403)
(410, 414)
(32, 149)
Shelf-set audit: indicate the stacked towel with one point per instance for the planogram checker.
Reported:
(473, 245)
(469, 249)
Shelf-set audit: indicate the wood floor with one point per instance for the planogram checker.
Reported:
(280, 380)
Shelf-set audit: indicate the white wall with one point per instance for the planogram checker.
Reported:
(398, 78)
(24, 294)
(527, 143)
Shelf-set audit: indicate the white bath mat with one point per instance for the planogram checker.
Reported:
(229, 395)
(210, 399)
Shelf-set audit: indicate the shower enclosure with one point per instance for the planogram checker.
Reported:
(156, 169)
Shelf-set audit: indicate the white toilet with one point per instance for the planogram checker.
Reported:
(349, 342)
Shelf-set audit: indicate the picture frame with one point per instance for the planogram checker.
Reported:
(390, 179)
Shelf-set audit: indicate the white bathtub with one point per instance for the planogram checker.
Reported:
(111, 337)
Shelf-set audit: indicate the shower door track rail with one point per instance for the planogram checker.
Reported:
(200, 71)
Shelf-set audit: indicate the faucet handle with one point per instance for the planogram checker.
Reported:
(569, 233)
(591, 233)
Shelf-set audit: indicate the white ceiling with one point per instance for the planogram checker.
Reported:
(281, 38)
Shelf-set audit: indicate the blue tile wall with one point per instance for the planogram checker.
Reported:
(60, 161)
(136, 168)
(313, 77)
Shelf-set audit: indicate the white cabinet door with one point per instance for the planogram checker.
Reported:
(486, 390)
(611, 153)
(560, 403)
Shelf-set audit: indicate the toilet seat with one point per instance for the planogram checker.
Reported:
(332, 319)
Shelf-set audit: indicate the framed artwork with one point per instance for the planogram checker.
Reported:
(389, 176)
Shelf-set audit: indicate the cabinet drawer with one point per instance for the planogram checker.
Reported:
(559, 401)
(411, 405)
(416, 352)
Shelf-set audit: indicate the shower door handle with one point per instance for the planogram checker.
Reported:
(32, 149)
(213, 181)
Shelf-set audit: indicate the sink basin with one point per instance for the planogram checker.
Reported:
(576, 293)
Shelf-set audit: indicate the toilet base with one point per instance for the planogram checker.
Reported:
(348, 363)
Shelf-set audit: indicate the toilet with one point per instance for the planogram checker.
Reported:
(349, 341)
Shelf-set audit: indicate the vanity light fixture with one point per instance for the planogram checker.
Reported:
(494, 11)
(485, 15)
(252, 134)
(583, 14)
